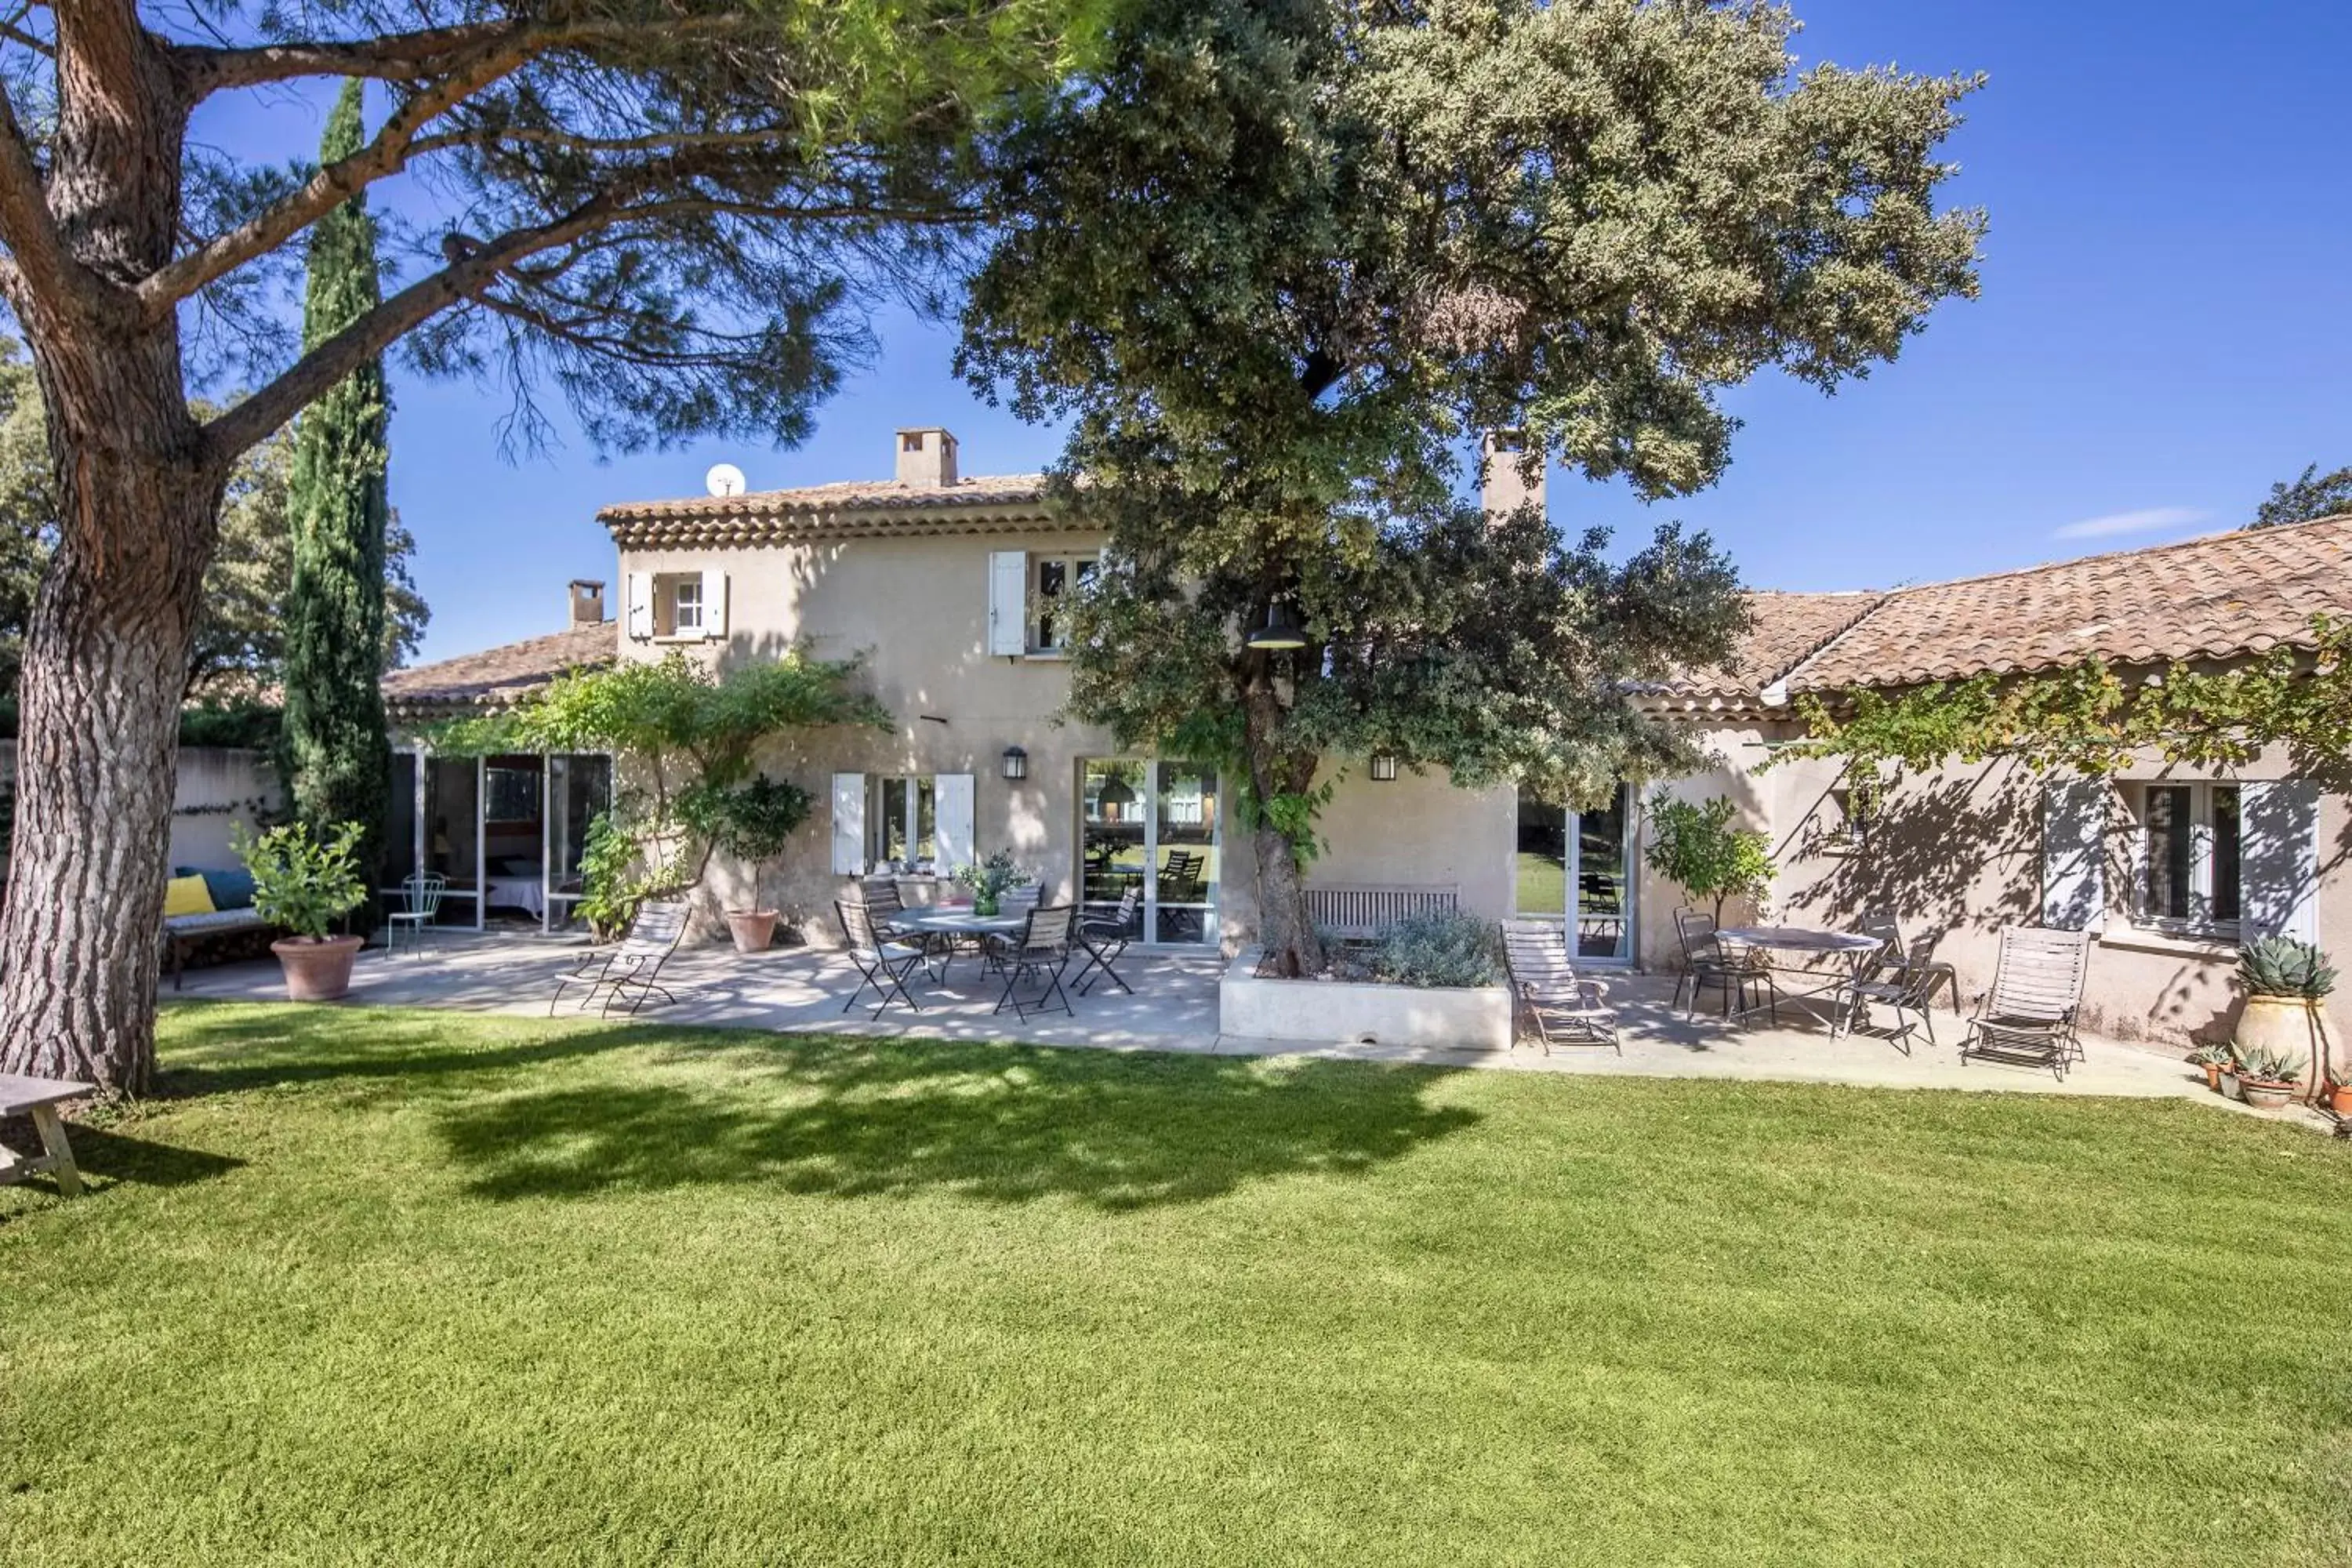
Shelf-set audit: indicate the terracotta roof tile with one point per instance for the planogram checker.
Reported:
(2220, 596)
(854, 509)
(498, 676)
(1784, 629)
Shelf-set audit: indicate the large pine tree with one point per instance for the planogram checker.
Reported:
(336, 749)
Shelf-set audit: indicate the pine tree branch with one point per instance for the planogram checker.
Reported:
(42, 267)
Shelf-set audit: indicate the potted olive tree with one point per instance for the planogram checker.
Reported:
(304, 883)
(2286, 982)
(755, 825)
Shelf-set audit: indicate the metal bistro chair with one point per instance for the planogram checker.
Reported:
(1546, 992)
(420, 899)
(1901, 975)
(630, 971)
(2027, 1016)
(1709, 960)
(883, 962)
(1042, 952)
(1105, 939)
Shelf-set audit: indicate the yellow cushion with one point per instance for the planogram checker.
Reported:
(187, 896)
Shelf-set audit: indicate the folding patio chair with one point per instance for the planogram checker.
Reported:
(1902, 976)
(883, 962)
(629, 970)
(1105, 938)
(1709, 960)
(2027, 1016)
(1042, 952)
(1546, 992)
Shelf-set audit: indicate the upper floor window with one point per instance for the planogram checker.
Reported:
(684, 605)
(2188, 863)
(685, 595)
(1055, 583)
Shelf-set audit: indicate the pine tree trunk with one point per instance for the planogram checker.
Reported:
(98, 748)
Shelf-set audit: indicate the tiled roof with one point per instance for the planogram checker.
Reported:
(1783, 629)
(856, 509)
(2220, 597)
(498, 676)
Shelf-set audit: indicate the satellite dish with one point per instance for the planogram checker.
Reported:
(724, 479)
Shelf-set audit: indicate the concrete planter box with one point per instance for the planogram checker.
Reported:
(1344, 1012)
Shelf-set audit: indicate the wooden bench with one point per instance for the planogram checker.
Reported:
(1362, 911)
(40, 1098)
(182, 932)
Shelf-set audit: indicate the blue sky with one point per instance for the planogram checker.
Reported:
(2166, 329)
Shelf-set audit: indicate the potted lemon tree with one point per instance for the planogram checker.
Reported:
(305, 883)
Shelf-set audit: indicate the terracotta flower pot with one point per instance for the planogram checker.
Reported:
(2340, 1099)
(2263, 1095)
(2292, 1026)
(753, 929)
(2212, 1075)
(316, 971)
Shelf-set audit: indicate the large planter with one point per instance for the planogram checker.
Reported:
(316, 971)
(1347, 1012)
(2291, 1026)
(753, 929)
(2264, 1096)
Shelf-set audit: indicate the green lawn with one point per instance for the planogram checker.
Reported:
(411, 1288)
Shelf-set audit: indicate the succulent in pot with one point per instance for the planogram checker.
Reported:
(305, 882)
(2286, 981)
(2215, 1056)
(2268, 1078)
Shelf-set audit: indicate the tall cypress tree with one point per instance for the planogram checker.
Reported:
(337, 753)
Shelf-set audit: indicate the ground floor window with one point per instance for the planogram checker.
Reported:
(902, 825)
(1575, 866)
(2188, 857)
(1151, 827)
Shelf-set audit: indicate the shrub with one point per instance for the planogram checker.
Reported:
(1696, 847)
(2282, 966)
(1443, 949)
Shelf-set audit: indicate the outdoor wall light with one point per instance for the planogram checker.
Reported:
(1280, 631)
(1017, 762)
(1384, 766)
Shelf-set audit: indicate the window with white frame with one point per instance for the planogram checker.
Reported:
(902, 823)
(1055, 583)
(683, 596)
(2187, 877)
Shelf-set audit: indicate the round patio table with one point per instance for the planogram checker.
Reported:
(1855, 950)
(957, 919)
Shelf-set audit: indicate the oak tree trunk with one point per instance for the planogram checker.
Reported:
(1292, 947)
(97, 754)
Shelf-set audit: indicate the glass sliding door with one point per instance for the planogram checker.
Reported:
(1575, 866)
(578, 789)
(400, 819)
(453, 835)
(1152, 827)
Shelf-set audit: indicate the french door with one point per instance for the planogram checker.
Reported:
(1577, 868)
(1152, 827)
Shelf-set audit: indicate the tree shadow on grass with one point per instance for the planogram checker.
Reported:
(1004, 1124)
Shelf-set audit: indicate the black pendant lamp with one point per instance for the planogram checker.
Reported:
(1281, 629)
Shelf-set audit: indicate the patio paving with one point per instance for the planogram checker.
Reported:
(1174, 1008)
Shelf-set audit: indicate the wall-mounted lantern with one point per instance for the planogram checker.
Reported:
(1017, 762)
(1384, 766)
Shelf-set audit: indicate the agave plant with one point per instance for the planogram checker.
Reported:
(2213, 1053)
(2264, 1066)
(2282, 967)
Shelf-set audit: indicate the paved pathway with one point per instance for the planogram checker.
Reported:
(1174, 1008)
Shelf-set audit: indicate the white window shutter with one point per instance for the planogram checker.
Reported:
(1008, 603)
(2278, 858)
(641, 605)
(2074, 853)
(951, 800)
(714, 604)
(849, 825)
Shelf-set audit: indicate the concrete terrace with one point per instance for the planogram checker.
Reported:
(1174, 1008)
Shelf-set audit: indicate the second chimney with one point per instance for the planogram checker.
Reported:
(587, 602)
(1510, 475)
(926, 458)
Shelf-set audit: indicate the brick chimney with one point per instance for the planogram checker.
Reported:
(926, 458)
(587, 602)
(1510, 475)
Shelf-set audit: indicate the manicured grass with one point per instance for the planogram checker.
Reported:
(417, 1288)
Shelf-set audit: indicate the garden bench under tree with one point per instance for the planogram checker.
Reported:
(40, 1098)
(1362, 912)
